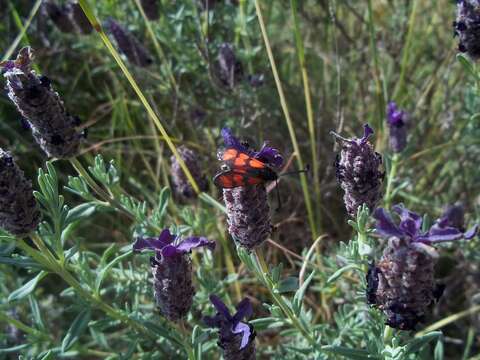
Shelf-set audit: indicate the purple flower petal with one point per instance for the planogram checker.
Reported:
(471, 233)
(213, 321)
(194, 242)
(244, 329)
(232, 141)
(221, 307)
(367, 132)
(385, 225)
(244, 310)
(395, 116)
(270, 156)
(410, 223)
(170, 251)
(159, 243)
(438, 234)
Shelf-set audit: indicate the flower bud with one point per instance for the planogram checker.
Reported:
(79, 18)
(229, 69)
(357, 170)
(397, 125)
(52, 126)
(60, 16)
(19, 214)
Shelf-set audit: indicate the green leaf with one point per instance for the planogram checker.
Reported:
(299, 295)
(80, 212)
(417, 343)
(350, 353)
(467, 65)
(289, 284)
(27, 288)
(340, 271)
(78, 326)
(48, 356)
(103, 272)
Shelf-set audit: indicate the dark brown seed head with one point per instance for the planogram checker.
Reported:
(180, 182)
(52, 126)
(151, 9)
(358, 172)
(128, 44)
(19, 214)
(79, 18)
(60, 16)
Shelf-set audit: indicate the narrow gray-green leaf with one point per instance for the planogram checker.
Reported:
(27, 288)
(78, 326)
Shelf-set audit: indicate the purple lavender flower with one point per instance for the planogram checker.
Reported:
(53, 128)
(248, 212)
(79, 18)
(402, 283)
(229, 69)
(19, 214)
(467, 27)
(181, 184)
(397, 121)
(357, 169)
(128, 44)
(236, 338)
(172, 271)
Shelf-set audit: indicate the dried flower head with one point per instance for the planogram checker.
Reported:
(79, 18)
(229, 69)
(467, 27)
(397, 121)
(19, 214)
(248, 212)
(151, 9)
(236, 338)
(402, 283)
(180, 182)
(128, 44)
(172, 271)
(52, 126)
(60, 16)
(358, 172)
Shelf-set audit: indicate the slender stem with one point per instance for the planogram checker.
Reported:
(288, 119)
(391, 179)
(448, 320)
(21, 326)
(399, 89)
(376, 69)
(309, 108)
(387, 335)
(278, 299)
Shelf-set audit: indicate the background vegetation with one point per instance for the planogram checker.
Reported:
(356, 56)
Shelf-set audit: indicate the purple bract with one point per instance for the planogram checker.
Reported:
(410, 226)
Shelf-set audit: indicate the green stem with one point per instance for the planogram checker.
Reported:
(309, 108)
(390, 180)
(399, 89)
(387, 335)
(288, 119)
(376, 69)
(25, 328)
(278, 299)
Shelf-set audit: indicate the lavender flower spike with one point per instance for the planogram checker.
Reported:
(248, 212)
(181, 184)
(357, 169)
(397, 121)
(19, 212)
(236, 337)
(467, 27)
(128, 44)
(52, 126)
(172, 271)
(402, 283)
